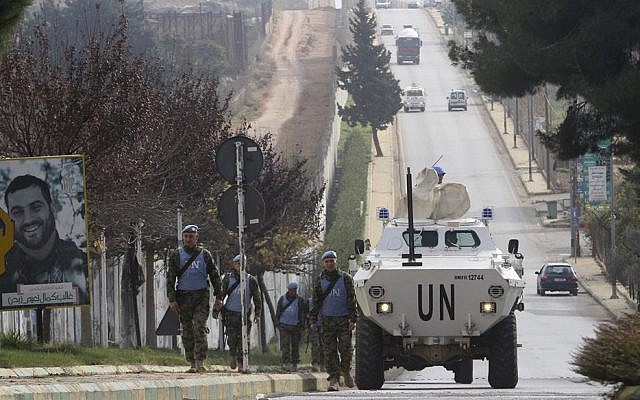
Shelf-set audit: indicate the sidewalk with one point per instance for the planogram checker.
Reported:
(146, 382)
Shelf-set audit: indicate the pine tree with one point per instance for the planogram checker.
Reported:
(366, 75)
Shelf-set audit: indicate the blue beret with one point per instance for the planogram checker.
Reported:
(190, 229)
(292, 285)
(439, 170)
(329, 254)
(236, 258)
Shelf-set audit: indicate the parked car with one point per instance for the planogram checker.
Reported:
(415, 4)
(387, 30)
(557, 277)
(383, 3)
(457, 99)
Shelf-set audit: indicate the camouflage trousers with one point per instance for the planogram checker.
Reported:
(233, 326)
(336, 338)
(290, 344)
(317, 350)
(194, 311)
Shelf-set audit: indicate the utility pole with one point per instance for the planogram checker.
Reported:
(612, 253)
(575, 246)
(546, 129)
(530, 144)
(516, 128)
(504, 117)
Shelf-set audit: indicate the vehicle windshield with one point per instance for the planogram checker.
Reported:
(422, 238)
(457, 95)
(414, 93)
(408, 41)
(558, 270)
(461, 239)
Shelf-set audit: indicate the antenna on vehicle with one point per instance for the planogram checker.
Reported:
(412, 254)
(439, 158)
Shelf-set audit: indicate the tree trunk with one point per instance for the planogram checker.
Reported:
(150, 298)
(272, 311)
(376, 142)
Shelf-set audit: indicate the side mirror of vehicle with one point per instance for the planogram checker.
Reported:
(359, 246)
(420, 42)
(537, 272)
(447, 97)
(513, 246)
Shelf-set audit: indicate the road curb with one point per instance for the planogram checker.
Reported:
(201, 386)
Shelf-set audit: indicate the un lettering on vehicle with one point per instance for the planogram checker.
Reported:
(443, 295)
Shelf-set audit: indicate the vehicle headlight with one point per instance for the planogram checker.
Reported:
(384, 307)
(488, 307)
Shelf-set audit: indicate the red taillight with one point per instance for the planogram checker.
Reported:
(543, 277)
(573, 278)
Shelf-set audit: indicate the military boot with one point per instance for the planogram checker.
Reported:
(333, 385)
(200, 366)
(348, 380)
(193, 368)
(294, 367)
(232, 363)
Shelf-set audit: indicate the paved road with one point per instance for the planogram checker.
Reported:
(528, 389)
(551, 328)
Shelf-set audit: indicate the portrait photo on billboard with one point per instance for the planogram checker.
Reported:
(45, 254)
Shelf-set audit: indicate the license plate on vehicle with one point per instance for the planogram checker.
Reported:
(559, 279)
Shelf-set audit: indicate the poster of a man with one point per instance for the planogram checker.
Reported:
(48, 263)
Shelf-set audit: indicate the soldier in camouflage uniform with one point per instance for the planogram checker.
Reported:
(334, 298)
(314, 338)
(291, 315)
(231, 316)
(188, 293)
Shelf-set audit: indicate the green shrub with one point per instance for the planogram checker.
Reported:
(13, 340)
(613, 355)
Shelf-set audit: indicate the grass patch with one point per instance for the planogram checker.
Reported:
(20, 352)
(256, 91)
(344, 221)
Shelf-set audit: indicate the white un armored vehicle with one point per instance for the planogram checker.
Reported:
(437, 292)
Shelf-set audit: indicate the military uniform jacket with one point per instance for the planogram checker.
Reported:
(302, 309)
(253, 287)
(175, 267)
(350, 289)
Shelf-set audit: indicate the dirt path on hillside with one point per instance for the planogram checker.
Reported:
(295, 109)
(282, 100)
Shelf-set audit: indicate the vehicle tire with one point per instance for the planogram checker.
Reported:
(449, 108)
(537, 290)
(406, 109)
(463, 371)
(503, 354)
(422, 109)
(574, 292)
(543, 292)
(465, 108)
(369, 358)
